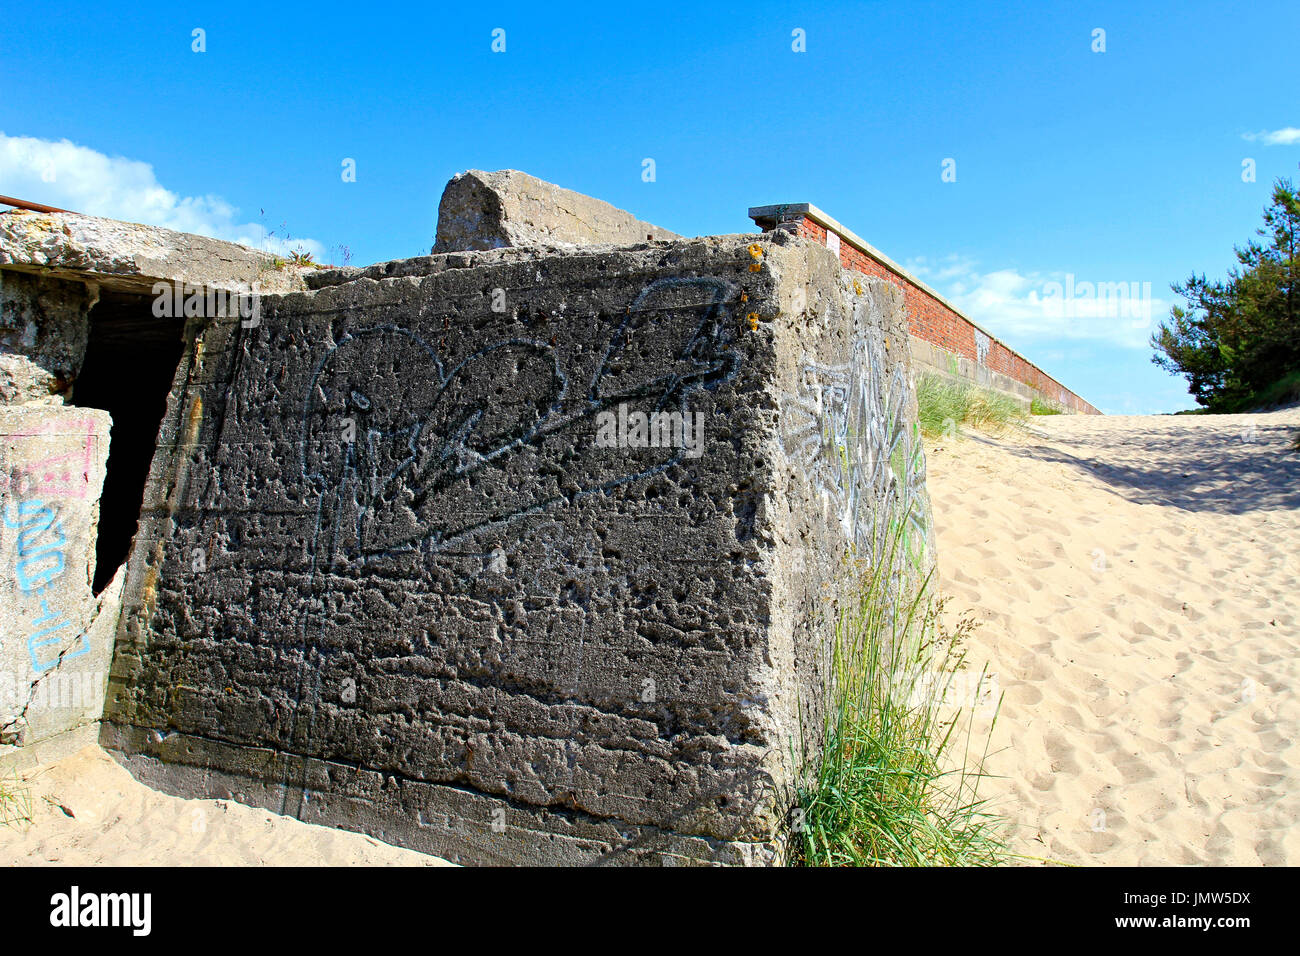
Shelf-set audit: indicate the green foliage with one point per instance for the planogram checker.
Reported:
(1282, 392)
(944, 404)
(894, 784)
(1235, 339)
(1039, 407)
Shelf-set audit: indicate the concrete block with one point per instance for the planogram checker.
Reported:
(481, 210)
(55, 634)
(519, 558)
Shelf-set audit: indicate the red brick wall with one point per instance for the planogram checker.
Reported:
(932, 321)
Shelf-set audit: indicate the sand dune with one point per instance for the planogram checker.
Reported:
(1136, 583)
(88, 811)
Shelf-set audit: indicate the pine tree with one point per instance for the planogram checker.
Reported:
(1237, 337)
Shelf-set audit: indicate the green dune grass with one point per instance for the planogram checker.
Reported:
(945, 404)
(897, 781)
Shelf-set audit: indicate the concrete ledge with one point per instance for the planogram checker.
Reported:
(429, 817)
(50, 750)
(130, 257)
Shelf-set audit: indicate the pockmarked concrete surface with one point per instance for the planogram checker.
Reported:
(519, 556)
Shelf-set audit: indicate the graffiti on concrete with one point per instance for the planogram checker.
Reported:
(40, 561)
(50, 468)
(849, 430)
(396, 474)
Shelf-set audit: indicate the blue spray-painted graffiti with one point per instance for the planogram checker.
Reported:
(40, 562)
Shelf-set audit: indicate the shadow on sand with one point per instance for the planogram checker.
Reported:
(1229, 466)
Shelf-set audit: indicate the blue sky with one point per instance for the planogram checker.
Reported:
(1122, 166)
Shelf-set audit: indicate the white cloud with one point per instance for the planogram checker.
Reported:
(1119, 310)
(76, 177)
(1287, 136)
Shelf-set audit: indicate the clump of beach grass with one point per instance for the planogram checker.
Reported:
(897, 779)
(945, 404)
(1039, 407)
(15, 802)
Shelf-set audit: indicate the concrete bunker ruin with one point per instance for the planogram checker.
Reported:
(419, 552)
(86, 365)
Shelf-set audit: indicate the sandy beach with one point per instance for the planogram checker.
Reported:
(1134, 580)
(1135, 583)
(88, 811)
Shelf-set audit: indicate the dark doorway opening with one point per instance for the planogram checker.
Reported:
(131, 359)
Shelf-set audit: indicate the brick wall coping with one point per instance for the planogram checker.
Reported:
(783, 211)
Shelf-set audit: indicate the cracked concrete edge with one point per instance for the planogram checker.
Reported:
(48, 723)
(85, 730)
(67, 690)
(44, 331)
(43, 753)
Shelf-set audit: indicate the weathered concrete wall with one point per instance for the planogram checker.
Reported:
(930, 358)
(408, 566)
(481, 210)
(54, 649)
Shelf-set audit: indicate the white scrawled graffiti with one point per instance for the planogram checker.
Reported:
(849, 430)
